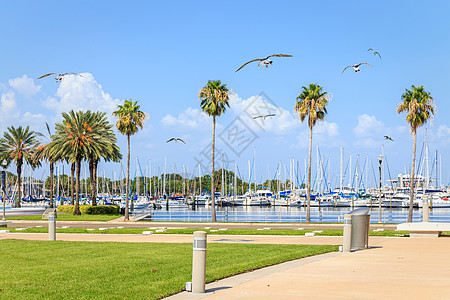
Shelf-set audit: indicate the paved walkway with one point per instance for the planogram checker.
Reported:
(185, 238)
(131, 224)
(395, 268)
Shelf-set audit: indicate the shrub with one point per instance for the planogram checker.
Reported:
(91, 210)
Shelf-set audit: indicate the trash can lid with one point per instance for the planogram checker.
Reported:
(360, 211)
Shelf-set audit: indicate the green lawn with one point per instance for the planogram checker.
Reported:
(99, 270)
(326, 232)
(70, 217)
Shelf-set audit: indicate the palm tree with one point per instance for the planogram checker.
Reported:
(130, 120)
(311, 103)
(420, 107)
(214, 98)
(19, 144)
(73, 140)
(108, 150)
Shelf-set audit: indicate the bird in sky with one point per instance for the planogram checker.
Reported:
(264, 61)
(356, 67)
(59, 77)
(264, 117)
(374, 52)
(175, 140)
(388, 138)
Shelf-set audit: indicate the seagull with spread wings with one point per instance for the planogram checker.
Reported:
(59, 77)
(388, 138)
(175, 140)
(374, 52)
(356, 67)
(264, 117)
(264, 61)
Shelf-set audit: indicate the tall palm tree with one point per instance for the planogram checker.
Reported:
(43, 153)
(214, 98)
(108, 150)
(131, 119)
(73, 140)
(311, 103)
(420, 108)
(72, 181)
(19, 144)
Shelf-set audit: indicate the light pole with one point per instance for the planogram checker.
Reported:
(380, 160)
(3, 187)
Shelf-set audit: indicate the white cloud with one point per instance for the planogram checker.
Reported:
(443, 132)
(11, 115)
(282, 123)
(24, 85)
(81, 93)
(368, 126)
(8, 104)
(191, 118)
(9, 110)
(324, 133)
(370, 132)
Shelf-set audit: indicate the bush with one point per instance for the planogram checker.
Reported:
(91, 210)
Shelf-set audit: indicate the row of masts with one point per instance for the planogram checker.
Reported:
(158, 182)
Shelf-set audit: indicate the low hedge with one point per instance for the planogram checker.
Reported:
(91, 210)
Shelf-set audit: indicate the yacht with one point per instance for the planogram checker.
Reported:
(260, 198)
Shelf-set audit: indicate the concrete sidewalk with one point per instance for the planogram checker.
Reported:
(131, 224)
(395, 268)
(185, 238)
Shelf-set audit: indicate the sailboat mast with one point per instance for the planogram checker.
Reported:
(150, 176)
(223, 179)
(200, 176)
(235, 181)
(340, 175)
(350, 173)
(164, 176)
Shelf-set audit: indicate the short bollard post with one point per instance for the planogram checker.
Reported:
(425, 210)
(199, 262)
(347, 235)
(52, 226)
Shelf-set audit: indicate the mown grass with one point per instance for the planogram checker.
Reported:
(70, 217)
(106, 270)
(231, 231)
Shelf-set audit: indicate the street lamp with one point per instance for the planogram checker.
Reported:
(3, 187)
(380, 160)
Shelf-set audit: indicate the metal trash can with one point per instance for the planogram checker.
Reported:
(359, 219)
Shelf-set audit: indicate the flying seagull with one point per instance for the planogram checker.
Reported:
(175, 140)
(356, 67)
(264, 117)
(388, 138)
(264, 61)
(59, 77)
(374, 52)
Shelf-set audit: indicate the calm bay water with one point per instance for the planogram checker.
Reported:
(287, 214)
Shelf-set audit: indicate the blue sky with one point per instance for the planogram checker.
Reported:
(162, 53)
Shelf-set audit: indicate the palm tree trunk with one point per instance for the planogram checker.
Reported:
(19, 183)
(411, 185)
(213, 202)
(77, 189)
(51, 183)
(308, 189)
(72, 183)
(127, 216)
(94, 172)
(91, 179)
